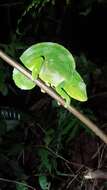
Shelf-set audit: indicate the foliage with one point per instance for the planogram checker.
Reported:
(21, 187)
(43, 183)
(34, 7)
(12, 48)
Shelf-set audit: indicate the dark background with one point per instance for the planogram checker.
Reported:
(80, 27)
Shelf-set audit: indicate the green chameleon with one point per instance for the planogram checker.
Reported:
(55, 65)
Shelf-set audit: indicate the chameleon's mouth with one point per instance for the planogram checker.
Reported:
(75, 96)
(78, 96)
(76, 87)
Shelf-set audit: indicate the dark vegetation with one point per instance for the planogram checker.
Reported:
(41, 144)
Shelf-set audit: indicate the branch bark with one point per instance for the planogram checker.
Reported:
(54, 95)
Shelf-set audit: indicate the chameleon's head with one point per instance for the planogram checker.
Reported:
(76, 87)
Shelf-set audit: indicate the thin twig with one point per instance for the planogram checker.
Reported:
(11, 4)
(100, 160)
(98, 150)
(53, 153)
(16, 182)
(97, 174)
(78, 172)
(54, 95)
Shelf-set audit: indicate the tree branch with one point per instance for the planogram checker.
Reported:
(54, 95)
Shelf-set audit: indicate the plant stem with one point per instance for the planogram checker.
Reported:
(17, 182)
(54, 95)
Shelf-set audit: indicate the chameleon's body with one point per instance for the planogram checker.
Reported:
(55, 65)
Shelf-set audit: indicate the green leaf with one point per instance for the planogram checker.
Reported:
(44, 184)
(21, 186)
(45, 162)
(22, 81)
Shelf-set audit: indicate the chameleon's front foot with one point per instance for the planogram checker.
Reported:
(64, 95)
(67, 102)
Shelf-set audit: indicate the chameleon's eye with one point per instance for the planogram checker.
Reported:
(43, 57)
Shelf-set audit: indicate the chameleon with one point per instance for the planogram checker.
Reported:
(55, 65)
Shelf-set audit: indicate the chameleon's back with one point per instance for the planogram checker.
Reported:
(56, 58)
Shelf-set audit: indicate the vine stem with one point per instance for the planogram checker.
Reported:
(54, 95)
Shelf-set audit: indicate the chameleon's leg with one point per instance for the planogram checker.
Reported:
(37, 67)
(63, 94)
